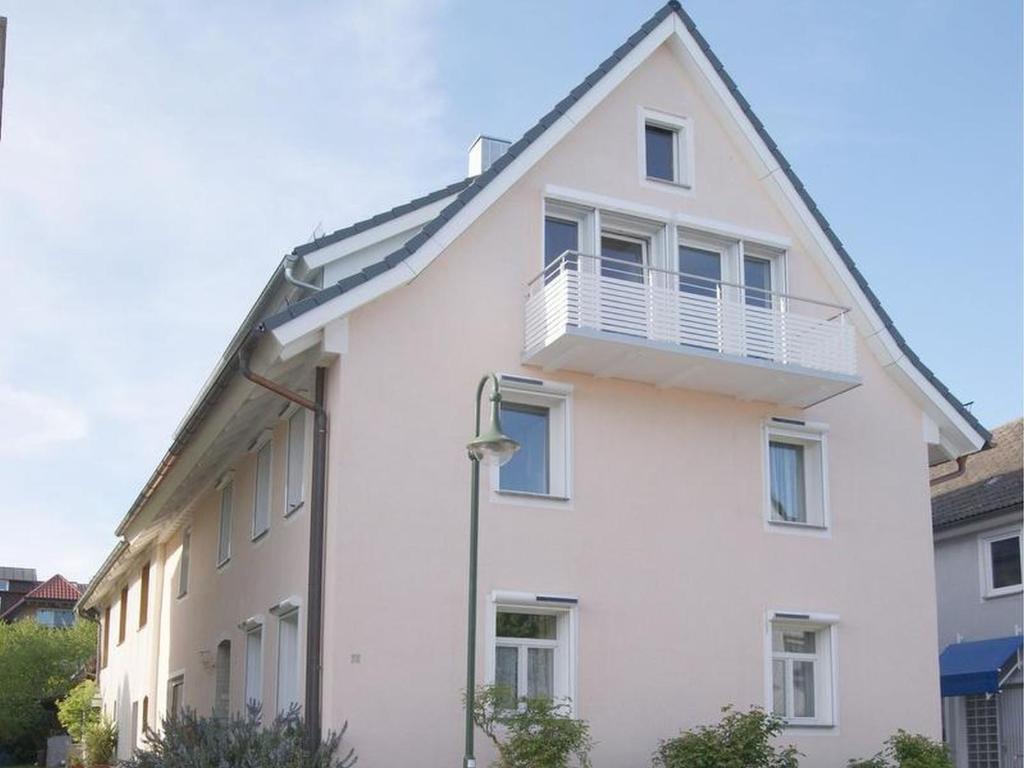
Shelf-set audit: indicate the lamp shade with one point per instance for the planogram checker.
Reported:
(492, 446)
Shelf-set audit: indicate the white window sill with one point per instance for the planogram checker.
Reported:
(1003, 592)
(809, 724)
(222, 565)
(260, 536)
(532, 495)
(293, 510)
(798, 525)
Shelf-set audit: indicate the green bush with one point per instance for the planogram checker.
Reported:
(189, 741)
(908, 750)
(100, 743)
(739, 740)
(76, 712)
(538, 733)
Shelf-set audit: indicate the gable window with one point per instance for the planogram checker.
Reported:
(254, 666)
(186, 545)
(144, 596)
(1001, 562)
(122, 619)
(795, 478)
(757, 282)
(536, 415)
(261, 504)
(295, 477)
(532, 654)
(801, 671)
(224, 532)
(666, 150)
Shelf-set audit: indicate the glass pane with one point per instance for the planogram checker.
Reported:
(528, 625)
(803, 688)
(254, 667)
(296, 458)
(261, 513)
(619, 250)
(224, 544)
(702, 270)
(506, 672)
(1005, 562)
(528, 469)
(660, 150)
(560, 236)
(785, 640)
(779, 687)
(787, 482)
(540, 673)
(757, 277)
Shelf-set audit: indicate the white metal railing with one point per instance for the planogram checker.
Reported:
(579, 290)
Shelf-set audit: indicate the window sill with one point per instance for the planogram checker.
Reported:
(668, 183)
(261, 535)
(995, 594)
(293, 510)
(531, 495)
(223, 563)
(798, 525)
(810, 725)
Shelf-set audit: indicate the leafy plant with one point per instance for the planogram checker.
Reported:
(908, 750)
(38, 665)
(76, 712)
(100, 742)
(188, 741)
(538, 733)
(738, 740)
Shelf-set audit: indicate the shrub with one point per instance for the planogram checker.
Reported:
(76, 712)
(908, 750)
(100, 742)
(739, 740)
(538, 733)
(187, 741)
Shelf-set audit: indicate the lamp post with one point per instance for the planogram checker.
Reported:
(490, 447)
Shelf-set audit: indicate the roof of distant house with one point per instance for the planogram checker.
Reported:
(992, 481)
(54, 589)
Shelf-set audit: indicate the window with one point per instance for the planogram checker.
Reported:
(619, 254)
(135, 726)
(144, 596)
(55, 617)
(296, 461)
(5, 585)
(261, 506)
(666, 151)
(122, 619)
(145, 713)
(532, 652)
(560, 235)
(288, 661)
(1000, 562)
(536, 415)
(105, 656)
(224, 532)
(757, 281)
(175, 696)
(254, 666)
(186, 545)
(796, 483)
(701, 271)
(982, 716)
(222, 684)
(801, 671)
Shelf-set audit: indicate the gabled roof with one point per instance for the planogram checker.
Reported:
(56, 588)
(992, 482)
(480, 182)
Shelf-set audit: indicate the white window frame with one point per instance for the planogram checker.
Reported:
(184, 562)
(266, 444)
(283, 615)
(826, 688)
(296, 413)
(682, 150)
(811, 435)
(566, 610)
(557, 398)
(227, 495)
(583, 217)
(251, 627)
(985, 541)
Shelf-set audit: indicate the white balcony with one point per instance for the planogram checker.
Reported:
(617, 319)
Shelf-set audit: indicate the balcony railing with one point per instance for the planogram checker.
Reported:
(628, 301)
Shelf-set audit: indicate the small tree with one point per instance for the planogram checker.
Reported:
(538, 733)
(908, 750)
(739, 740)
(100, 743)
(76, 712)
(187, 741)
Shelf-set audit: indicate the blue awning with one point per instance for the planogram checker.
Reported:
(969, 668)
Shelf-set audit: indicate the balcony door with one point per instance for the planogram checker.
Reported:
(761, 331)
(700, 297)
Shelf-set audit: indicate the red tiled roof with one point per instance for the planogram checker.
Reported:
(54, 588)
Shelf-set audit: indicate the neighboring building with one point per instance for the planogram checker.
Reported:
(51, 603)
(15, 583)
(722, 494)
(977, 516)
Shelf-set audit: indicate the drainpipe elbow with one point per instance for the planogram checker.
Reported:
(290, 261)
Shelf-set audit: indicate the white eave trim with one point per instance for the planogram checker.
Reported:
(881, 341)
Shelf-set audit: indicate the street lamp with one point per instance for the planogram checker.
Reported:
(491, 447)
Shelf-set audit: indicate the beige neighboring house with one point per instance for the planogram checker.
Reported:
(722, 494)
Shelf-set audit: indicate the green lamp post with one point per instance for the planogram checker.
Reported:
(491, 447)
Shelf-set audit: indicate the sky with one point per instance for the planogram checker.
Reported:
(158, 159)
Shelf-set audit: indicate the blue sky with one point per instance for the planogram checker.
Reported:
(158, 159)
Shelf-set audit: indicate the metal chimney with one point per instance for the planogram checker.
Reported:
(483, 153)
